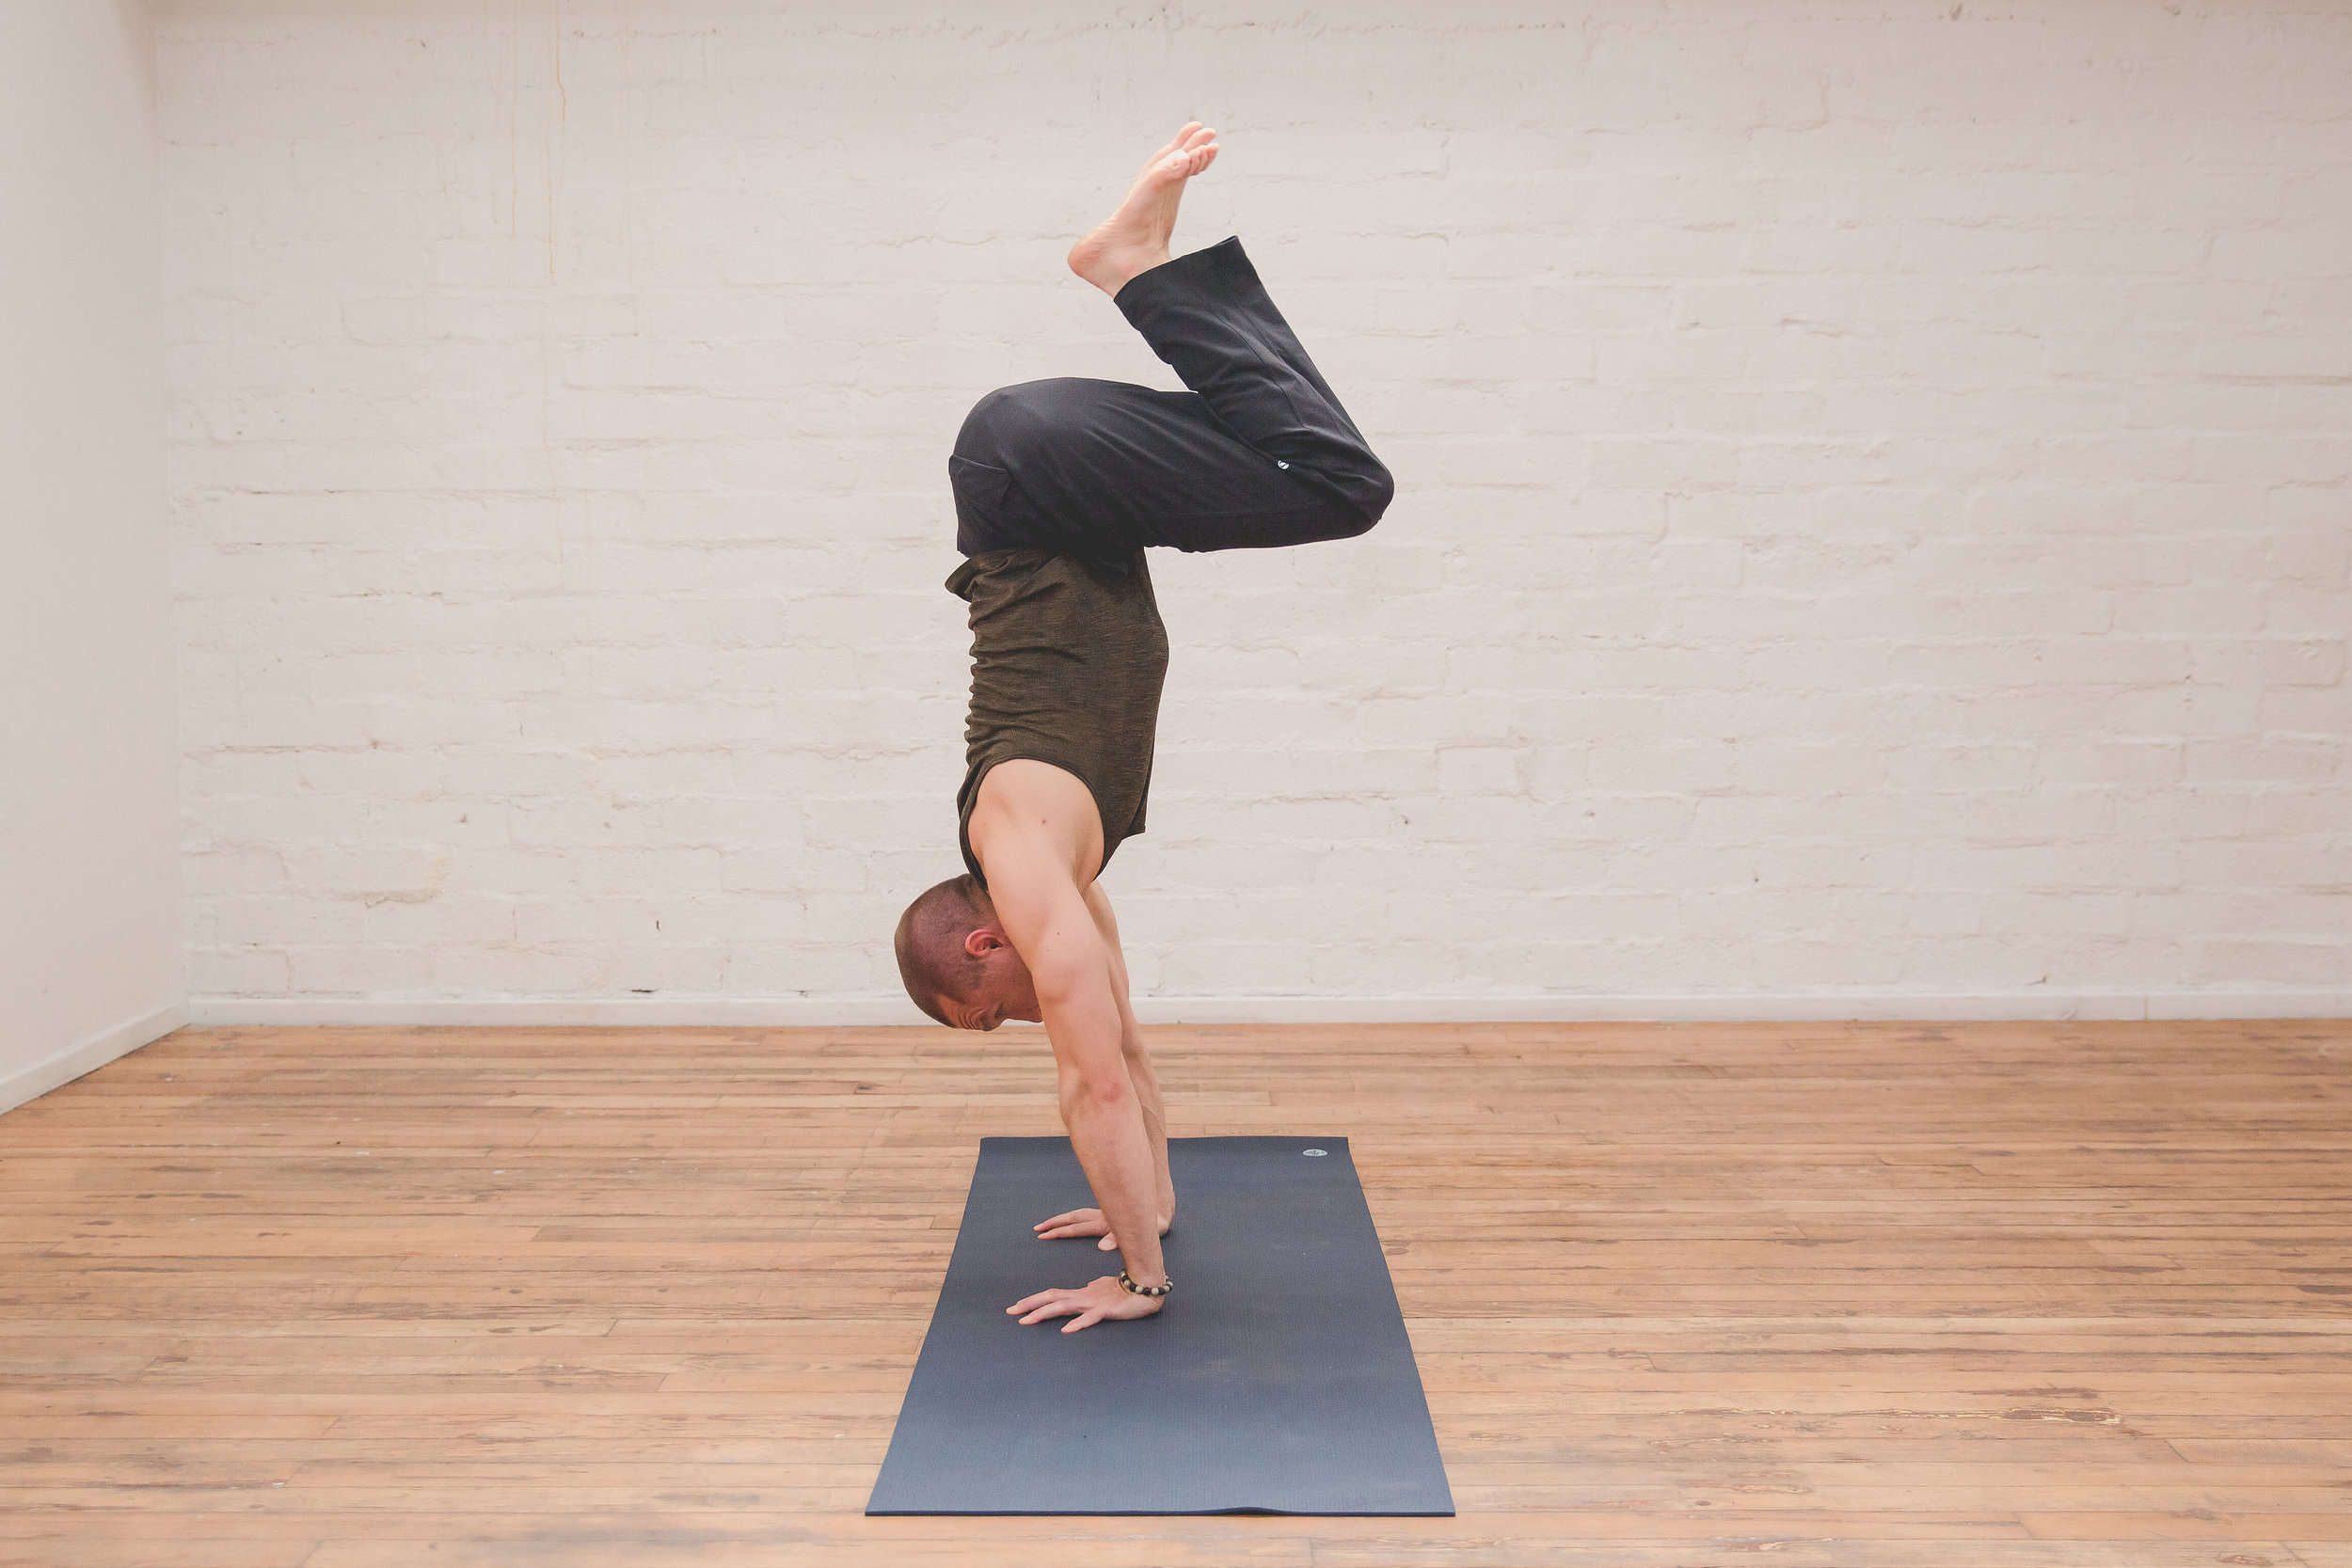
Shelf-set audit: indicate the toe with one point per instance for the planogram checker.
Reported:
(1180, 141)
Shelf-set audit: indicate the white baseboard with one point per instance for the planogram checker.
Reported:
(835, 1012)
(88, 1055)
(582, 1012)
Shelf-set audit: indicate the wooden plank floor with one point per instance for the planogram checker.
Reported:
(1888, 1296)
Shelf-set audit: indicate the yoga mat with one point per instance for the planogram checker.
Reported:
(1277, 1380)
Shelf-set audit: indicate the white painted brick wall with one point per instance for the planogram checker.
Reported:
(1876, 509)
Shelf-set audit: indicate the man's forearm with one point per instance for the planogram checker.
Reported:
(1155, 1120)
(1108, 1131)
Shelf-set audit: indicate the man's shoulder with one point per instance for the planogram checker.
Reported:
(1035, 823)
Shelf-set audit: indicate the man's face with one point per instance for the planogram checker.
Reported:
(1005, 989)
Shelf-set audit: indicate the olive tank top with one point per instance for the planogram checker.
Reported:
(1068, 656)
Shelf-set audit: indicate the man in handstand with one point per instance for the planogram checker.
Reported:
(1059, 487)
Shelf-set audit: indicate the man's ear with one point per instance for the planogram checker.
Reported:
(983, 941)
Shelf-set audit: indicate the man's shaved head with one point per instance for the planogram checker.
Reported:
(932, 959)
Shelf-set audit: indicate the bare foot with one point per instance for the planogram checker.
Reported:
(1134, 237)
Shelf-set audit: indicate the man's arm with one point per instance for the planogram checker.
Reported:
(1089, 1221)
(1021, 831)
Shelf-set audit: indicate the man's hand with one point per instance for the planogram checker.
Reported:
(1083, 1222)
(1102, 1299)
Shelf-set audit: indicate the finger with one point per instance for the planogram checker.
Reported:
(1095, 1315)
(1054, 1309)
(1068, 1216)
(1109, 1244)
(1026, 1303)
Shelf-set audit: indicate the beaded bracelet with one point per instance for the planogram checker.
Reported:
(1134, 1290)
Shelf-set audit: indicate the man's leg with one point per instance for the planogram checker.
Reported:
(1259, 453)
(1210, 317)
(1102, 468)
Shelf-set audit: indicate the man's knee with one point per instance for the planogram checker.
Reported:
(1372, 493)
(1354, 496)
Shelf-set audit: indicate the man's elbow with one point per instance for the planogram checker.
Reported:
(1102, 1089)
